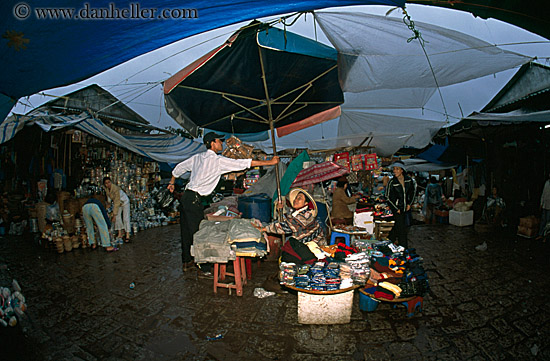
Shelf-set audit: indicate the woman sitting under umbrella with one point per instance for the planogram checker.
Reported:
(301, 223)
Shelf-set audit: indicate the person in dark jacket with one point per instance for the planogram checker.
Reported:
(400, 194)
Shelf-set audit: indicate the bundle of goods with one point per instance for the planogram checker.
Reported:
(12, 304)
(320, 276)
(288, 272)
(528, 226)
(210, 243)
(359, 269)
(245, 239)
(236, 149)
(223, 209)
(397, 275)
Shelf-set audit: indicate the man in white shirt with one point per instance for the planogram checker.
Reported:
(206, 170)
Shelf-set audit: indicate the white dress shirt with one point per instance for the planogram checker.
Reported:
(206, 170)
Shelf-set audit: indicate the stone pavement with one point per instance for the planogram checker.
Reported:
(482, 306)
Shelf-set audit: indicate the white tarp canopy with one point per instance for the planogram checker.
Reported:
(375, 53)
(384, 133)
(380, 69)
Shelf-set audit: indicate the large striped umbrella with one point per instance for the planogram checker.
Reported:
(319, 173)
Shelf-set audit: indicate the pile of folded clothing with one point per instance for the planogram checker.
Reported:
(288, 272)
(397, 276)
(245, 239)
(210, 243)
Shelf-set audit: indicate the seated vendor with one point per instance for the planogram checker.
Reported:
(340, 201)
(301, 223)
(495, 208)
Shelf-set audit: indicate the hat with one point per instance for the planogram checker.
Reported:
(399, 164)
(210, 137)
(295, 191)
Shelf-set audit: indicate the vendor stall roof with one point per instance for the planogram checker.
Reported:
(98, 102)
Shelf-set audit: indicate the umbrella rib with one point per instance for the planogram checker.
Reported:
(219, 92)
(280, 116)
(244, 108)
(234, 117)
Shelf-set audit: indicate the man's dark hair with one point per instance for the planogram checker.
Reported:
(105, 179)
(209, 144)
(433, 180)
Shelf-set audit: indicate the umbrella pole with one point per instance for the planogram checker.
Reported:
(272, 129)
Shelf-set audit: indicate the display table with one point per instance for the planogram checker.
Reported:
(324, 307)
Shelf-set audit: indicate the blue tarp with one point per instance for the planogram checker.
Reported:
(60, 49)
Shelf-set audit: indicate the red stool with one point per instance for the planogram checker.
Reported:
(220, 272)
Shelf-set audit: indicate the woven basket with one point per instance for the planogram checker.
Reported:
(59, 245)
(67, 243)
(68, 222)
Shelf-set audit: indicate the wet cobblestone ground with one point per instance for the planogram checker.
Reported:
(488, 305)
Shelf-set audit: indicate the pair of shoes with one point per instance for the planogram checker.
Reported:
(127, 240)
(111, 249)
(94, 246)
(188, 266)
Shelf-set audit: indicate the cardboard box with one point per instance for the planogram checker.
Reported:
(527, 232)
(529, 222)
(461, 219)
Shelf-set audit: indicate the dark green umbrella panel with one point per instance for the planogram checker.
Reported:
(261, 78)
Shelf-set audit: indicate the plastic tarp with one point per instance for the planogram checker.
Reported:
(168, 148)
(421, 165)
(513, 117)
(62, 48)
(384, 133)
(268, 183)
(374, 54)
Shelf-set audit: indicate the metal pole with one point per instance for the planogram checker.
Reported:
(271, 128)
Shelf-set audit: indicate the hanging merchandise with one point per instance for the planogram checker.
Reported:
(370, 161)
(357, 162)
(237, 149)
(342, 159)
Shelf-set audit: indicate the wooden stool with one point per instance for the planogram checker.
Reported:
(239, 274)
(335, 234)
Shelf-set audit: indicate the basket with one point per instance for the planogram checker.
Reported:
(59, 245)
(67, 243)
(68, 222)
